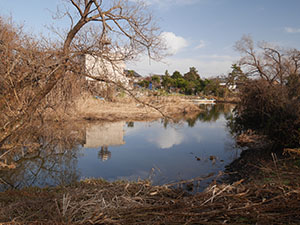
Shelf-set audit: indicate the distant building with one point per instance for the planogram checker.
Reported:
(133, 77)
(132, 74)
(104, 69)
(231, 87)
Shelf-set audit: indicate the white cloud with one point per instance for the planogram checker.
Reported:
(167, 138)
(292, 30)
(202, 44)
(173, 43)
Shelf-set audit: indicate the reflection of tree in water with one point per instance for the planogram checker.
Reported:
(211, 113)
(165, 122)
(192, 121)
(104, 154)
(44, 156)
(130, 124)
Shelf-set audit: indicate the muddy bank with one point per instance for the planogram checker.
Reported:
(257, 151)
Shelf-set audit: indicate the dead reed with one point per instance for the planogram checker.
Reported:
(273, 198)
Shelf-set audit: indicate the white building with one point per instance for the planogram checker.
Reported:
(231, 87)
(104, 69)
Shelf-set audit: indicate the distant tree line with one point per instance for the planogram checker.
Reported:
(191, 83)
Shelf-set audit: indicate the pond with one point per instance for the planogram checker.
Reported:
(163, 151)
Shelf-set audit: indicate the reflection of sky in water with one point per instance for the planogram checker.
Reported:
(166, 152)
(171, 150)
(165, 138)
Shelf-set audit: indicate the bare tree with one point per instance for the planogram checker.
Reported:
(269, 103)
(270, 63)
(110, 30)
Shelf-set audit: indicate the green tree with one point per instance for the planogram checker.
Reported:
(167, 82)
(212, 87)
(144, 83)
(176, 75)
(200, 85)
(167, 73)
(192, 75)
(190, 88)
(236, 75)
(181, 84)
(155, 80)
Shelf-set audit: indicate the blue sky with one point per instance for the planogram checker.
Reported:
(200, 33)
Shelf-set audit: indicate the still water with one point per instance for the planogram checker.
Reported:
(163, 151)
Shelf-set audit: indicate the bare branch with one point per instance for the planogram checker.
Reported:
(77, 7)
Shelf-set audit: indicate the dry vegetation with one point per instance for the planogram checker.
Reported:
(126, 108)
(269, 101)
(273, 198)
(39, 79)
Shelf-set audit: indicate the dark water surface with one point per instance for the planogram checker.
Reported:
(163, 151)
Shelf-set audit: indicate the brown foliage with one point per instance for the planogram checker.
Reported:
(270, 102)
(36, 75)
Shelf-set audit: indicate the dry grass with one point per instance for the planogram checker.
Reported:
(270, 199)
(144, 108)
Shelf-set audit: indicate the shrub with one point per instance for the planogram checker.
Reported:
(270, 110)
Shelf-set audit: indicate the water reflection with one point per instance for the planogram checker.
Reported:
(103, 135)
(210, 113)
(183, 149)
(104, 154)
(166, 138)
(44, 156)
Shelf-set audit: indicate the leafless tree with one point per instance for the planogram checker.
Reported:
(269, 103)
(270, 63)
(30, 71)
